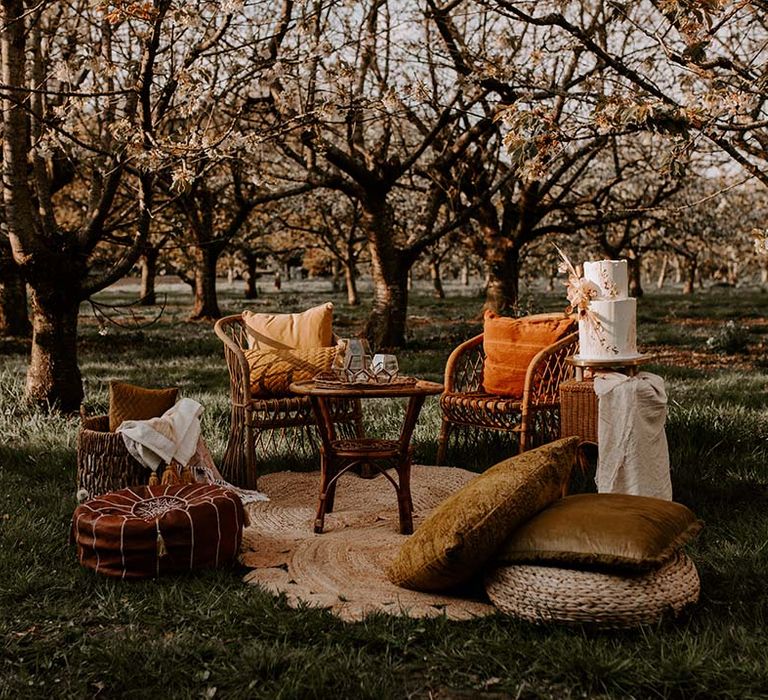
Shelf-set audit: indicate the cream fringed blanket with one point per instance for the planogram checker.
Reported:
(176, 437)
(343, 568)
(634, 457)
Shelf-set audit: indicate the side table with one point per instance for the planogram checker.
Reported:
(339, 456)
(578, 401)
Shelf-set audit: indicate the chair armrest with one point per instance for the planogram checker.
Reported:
(239, 371)
(548, 369)
(464, 368)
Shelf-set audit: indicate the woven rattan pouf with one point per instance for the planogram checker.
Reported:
(146, 531)
(550, 594)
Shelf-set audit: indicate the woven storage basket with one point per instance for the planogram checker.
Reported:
(549, 594)
(578, 410)
(103, 462)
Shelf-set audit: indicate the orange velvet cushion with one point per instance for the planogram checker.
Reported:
(511, 343)
(273, 371)
(129, 402)
(312, 328)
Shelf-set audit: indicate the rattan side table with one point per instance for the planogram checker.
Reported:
(578, 401)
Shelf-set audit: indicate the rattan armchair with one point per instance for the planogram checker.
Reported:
(467, 410)
(268, 426)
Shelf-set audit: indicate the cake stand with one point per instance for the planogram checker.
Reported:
(629, 365)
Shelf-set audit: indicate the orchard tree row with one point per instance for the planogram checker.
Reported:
(379, 130)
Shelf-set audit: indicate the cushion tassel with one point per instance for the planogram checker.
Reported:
(186, 476)
(169, 476)
(161, 548)
(153, 480)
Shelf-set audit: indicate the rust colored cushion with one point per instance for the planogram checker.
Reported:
(129, 402)
(312, 328)
(146, 531)
(272, 371)
(511, 343)
(467, 529)
(604, 531)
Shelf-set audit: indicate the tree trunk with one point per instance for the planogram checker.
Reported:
(503, 288)
(53, 375)
(251, 290)
(350, 279)
(465, 274)
(635, 276)
(148, 262)
(206, 302)
(691, 269)
(662, 273)
(386, 324)
(335, 276)
(437, 282)
(14, 317)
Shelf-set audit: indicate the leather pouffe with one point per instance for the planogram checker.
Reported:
(147, 531)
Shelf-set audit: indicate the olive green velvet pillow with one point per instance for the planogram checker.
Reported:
(603, 531)
(129, 402)
(467, 529)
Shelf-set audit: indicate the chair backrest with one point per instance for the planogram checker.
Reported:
(232, 328)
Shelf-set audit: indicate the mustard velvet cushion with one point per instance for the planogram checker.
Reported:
(604, 531)
(272, 371)
(511, 343)
(129, 402)
(467, 529)
(312, 328)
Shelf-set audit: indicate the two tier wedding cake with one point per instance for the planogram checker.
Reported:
(608, 329)
(607, 315)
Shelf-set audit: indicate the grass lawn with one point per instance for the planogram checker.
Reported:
(68, 633)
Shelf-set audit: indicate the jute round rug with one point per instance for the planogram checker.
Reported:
(343, 569)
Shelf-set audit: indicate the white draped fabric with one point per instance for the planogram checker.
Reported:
(634, 457)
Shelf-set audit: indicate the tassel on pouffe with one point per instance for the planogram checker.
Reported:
(153, 480)
(186, 476)
(170, 477)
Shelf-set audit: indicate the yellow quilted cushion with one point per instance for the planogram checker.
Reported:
(129, 402)
(312, 328)
(272, 371)
(604, 531)
(467, 529)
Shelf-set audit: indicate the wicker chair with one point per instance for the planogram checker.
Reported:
(269, 425)
(530, 421)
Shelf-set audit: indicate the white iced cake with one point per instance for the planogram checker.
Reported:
(608, 331)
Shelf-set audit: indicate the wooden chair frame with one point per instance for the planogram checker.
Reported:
(267, 423)
(533, 419)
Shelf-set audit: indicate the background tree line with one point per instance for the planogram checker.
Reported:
(379, 133)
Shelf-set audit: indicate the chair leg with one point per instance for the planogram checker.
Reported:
(442, 442)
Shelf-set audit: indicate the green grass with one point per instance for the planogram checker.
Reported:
(68, 633)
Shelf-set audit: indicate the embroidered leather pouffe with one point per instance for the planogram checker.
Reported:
(146, 531)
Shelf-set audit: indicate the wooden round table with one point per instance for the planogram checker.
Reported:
(339, 456)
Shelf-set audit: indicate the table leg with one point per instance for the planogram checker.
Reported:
(404, 500)
(327, 460)
(323, 502)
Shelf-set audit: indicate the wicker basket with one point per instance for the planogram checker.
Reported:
(578, 410)
(549, 594)
(103, 462)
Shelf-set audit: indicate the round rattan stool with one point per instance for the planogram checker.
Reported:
(550, 594)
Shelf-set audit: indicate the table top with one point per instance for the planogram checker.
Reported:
(420, 387)
(636, 361)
